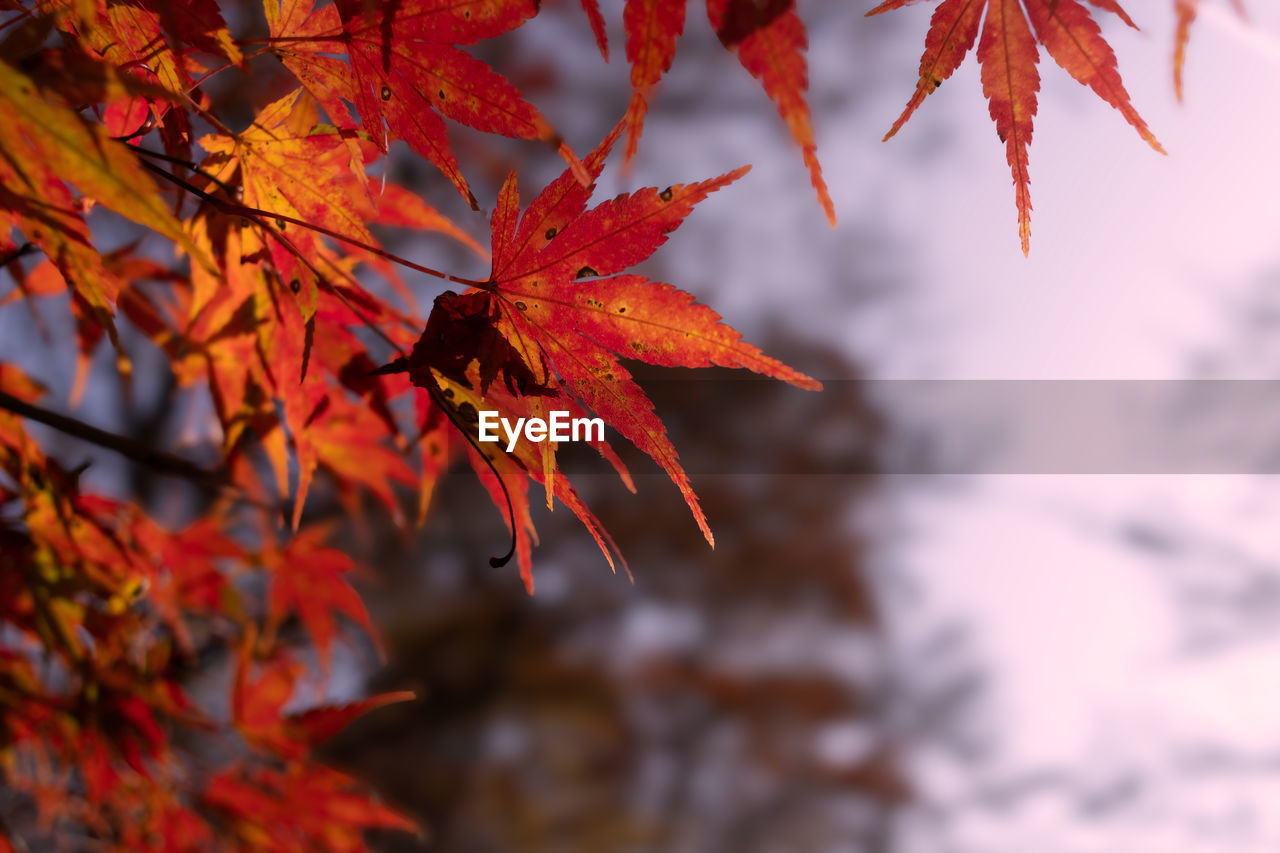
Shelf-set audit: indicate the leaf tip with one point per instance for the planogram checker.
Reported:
(575, 165)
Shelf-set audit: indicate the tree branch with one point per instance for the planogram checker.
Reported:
(157, 460)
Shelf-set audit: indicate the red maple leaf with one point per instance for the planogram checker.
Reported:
(406, 70)
(1008, 54)
(299, 807)
(309, 579)
(769, 39)
(562, 309)
(258, 703)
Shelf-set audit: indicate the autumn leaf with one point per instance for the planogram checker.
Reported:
(41, 138)
(309, 579)
(199, 23)
(556, 298)
(397, 206)
(1008, 52)
(652, 28)
(505, 476)
(300, 807)
(592, 8)
(322, 722)
(258, 702)
(770, 40)
(406, 71)
(351, 443)
(286, 165)
(14, 381)
(188, 579)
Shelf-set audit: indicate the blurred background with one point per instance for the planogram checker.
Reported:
(909, 637)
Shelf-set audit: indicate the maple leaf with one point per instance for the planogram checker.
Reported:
(258, 703)
(187, 576)
(405, 70)
(308, 578)
(346, 437)
(768, 38)
(301, 807)
(199, 23)
(592, 8)
(1008, 54)
(770, 41)
(286, 164)
(555, 297)
(46, 143)
(652, 27)
(505, 476)
(132, 36)
(398, 206)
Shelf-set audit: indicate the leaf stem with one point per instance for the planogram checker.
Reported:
(236, 209)
(198, 83)
(438, 398)
(26, 13)
(336, 36)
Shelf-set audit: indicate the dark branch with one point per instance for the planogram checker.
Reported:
(157, 460)
(10, 257)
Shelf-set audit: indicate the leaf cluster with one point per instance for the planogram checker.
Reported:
(256, 266)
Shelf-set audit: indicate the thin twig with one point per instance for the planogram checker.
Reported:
(10, 257)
